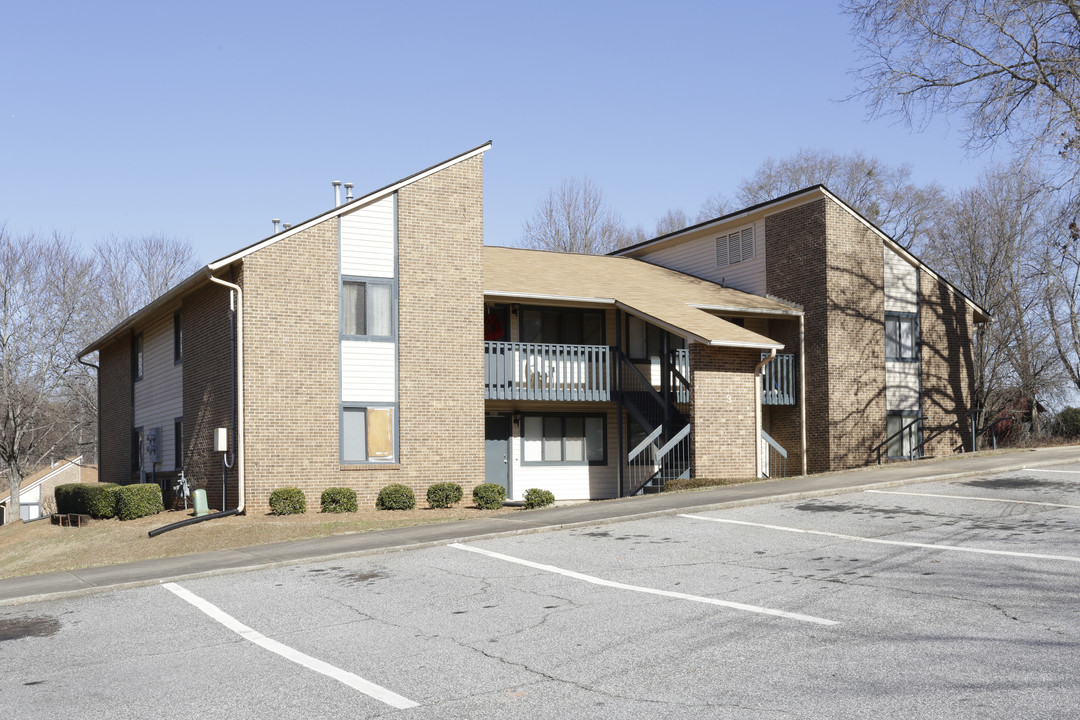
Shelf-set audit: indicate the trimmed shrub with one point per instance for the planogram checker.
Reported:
(395, 497)
(338, 500)
(136, 501)
(537, 498)
(288, 501)
(1068, 421)
(101, 500)
(489, 496)
(70, 498)
(444, 494)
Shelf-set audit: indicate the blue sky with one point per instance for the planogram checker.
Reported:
(204, 120)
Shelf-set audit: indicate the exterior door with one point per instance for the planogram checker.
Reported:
(497, 450)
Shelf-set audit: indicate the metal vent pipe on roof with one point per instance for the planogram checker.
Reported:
(337, 192)
(348, 192)
(276, 222)
(286, 226)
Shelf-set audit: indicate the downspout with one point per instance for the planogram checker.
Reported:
(757, 409)
(239, 387)
(802, 387)
(97, 446)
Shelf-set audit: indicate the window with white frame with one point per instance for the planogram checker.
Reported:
(367, 435)
(564, 439)
(367, 308)
(735, 247)
(900, 337)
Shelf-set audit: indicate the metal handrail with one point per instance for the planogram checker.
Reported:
(898, 433)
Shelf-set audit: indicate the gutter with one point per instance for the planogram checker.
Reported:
(239, 386)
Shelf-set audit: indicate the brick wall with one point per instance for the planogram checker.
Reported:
(796, 271)
(208, 392)
(723, 406)
(946, 330)
(115, 410)
(292, 377)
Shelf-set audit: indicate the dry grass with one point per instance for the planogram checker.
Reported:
(40, 547)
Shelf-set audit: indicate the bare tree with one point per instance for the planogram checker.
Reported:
(1010, 69)
(574, 218)
(714, 206)
(989, 240)
(45, 311)
(671, 221)
(133, 270)
(884, 194)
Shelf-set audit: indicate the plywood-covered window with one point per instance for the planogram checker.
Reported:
(367, 435)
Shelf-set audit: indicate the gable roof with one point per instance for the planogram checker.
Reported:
(670, 299)
(793, 198)
(202, 275)
(41, 476)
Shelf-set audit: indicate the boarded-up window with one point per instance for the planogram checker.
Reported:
(380, 433)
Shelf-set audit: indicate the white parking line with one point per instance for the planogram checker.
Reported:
(957, 548)
(1066, 472)
(980, 499)
(650, 591)
(354, 681)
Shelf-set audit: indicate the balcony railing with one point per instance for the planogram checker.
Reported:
(540, 371)
(778, 380)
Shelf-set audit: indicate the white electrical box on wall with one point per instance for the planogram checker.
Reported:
(221, 440)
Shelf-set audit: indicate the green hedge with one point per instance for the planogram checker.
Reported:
(537, 498)
(288, 501)
(136, 501)
(489, 496)
(395, 497)
(338, 500)
(444, 494)
(96, 500)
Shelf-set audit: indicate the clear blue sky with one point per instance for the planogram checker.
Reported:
(204, 120)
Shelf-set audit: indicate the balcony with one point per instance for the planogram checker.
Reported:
(778, 380)
(540, 371)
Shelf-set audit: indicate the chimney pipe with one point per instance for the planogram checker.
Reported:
(276, 222)
(348, 192)
(337, 192)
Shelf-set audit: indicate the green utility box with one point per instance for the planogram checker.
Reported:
(200, 503)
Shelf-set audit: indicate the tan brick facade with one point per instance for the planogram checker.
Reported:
(946, 329)
(723, 409)
(115, 411)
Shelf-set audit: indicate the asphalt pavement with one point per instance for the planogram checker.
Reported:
(98, 579)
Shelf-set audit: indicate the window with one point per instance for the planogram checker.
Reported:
(900, 337)
(897, 420)
(367, 308)
(178, 438)
(367, 434)
(177, 339)
(735, 247)
(136, 449)
(644, 340)
(566, 439)
(562, 326)
(137, 357)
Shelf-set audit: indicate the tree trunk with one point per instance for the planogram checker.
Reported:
(14, 514)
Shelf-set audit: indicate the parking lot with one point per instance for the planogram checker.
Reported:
(943, 599)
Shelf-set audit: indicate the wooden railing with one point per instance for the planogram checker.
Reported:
(541, 371)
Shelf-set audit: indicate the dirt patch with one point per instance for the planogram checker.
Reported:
(40, 547)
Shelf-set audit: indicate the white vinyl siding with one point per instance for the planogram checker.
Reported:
(159, 396)
(367, 240)
(901, 386)
(901, 284)
(368, 372)
(577, 481)
(698, 257)
(735, 247)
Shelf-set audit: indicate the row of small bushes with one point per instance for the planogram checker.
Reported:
(488, 496)
(108, 500)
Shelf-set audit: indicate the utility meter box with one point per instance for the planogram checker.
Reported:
(221, 440)
(152, 445)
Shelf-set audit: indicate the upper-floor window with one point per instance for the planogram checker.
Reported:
(367, 308)
(900, 337)
(735, 247)
(137, 357)
(177, 339)
(564, 326)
